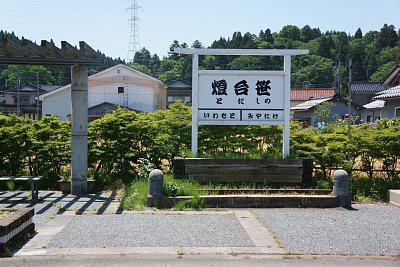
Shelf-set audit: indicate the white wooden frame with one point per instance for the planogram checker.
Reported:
(260, 52)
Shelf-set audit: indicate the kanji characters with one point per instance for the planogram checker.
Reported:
(263, 87)
(241, 88)
(219, 87)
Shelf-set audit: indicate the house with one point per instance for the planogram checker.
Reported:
(179, 90)
(393, 78)
(119, 85)
(300, 95)
(304, 112)
(386, 102)
(363, 92)
(27, 93)
(98, 111)
(374, 111)
(392, 98)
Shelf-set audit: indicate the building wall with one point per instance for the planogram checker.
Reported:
(58, 104)
(139, 93)
(362, 98)
(392, 105)
(375, 114)
(340, 109)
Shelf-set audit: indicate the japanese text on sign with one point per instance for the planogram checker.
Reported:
(241, 92)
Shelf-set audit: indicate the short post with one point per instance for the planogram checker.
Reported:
(156, 191)
(341, 188)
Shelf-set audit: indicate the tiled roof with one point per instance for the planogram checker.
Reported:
(389, 93)
(367, 87)
(377, 104)
(297, 94)
(310, 104)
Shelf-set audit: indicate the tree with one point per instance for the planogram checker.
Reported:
(290, 32)
(370, 37)
(382, 72)
(311, 69)
(358, 34)
(27, 74)
(268, 36)
(171, 53)
(323, 112)
(387, 37)
(155, 65)
(139, 67)
(324, 47)
(244, 63)
(170, 70)
(357, 54)
(197, 44)
(306, 34)
(236, 41)
(142, 57)
(342, 46)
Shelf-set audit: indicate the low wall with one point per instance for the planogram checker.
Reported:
(16, 228)
(340, 196)
(244, 170)
(251, 201)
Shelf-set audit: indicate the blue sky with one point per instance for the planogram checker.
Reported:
(104, 25)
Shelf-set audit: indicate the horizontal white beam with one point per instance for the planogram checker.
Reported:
(240, 123)
(248, 52)
(242, 72)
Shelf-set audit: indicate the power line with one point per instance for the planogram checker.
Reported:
(134, 39)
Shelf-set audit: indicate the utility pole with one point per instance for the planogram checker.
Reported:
(37, 95)
(349, 103)
(18, 92)
(134, 40)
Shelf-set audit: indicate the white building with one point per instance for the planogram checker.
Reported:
(119, 85)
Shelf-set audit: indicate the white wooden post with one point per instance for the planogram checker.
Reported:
(286, 125)
(195, 103)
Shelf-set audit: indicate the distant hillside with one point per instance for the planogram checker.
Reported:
(374, 54)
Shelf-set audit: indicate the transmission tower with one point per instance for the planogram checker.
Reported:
(134, 40)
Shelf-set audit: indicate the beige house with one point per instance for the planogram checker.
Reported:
(119, 85)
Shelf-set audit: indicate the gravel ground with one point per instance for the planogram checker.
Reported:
(154, 230)
(369, 229)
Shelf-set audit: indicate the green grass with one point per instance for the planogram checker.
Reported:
(363, 190)
(135, 195)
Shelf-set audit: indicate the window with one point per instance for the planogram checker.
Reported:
(120, 90)
(25, 100)
(170, 99)
(187, 99)
(397, 112)
(369, 119)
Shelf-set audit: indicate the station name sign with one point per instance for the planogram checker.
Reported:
(241, 97)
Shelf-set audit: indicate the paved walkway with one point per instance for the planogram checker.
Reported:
(94, 225)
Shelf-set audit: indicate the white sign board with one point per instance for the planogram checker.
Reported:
(241, 97)
(232, 97)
